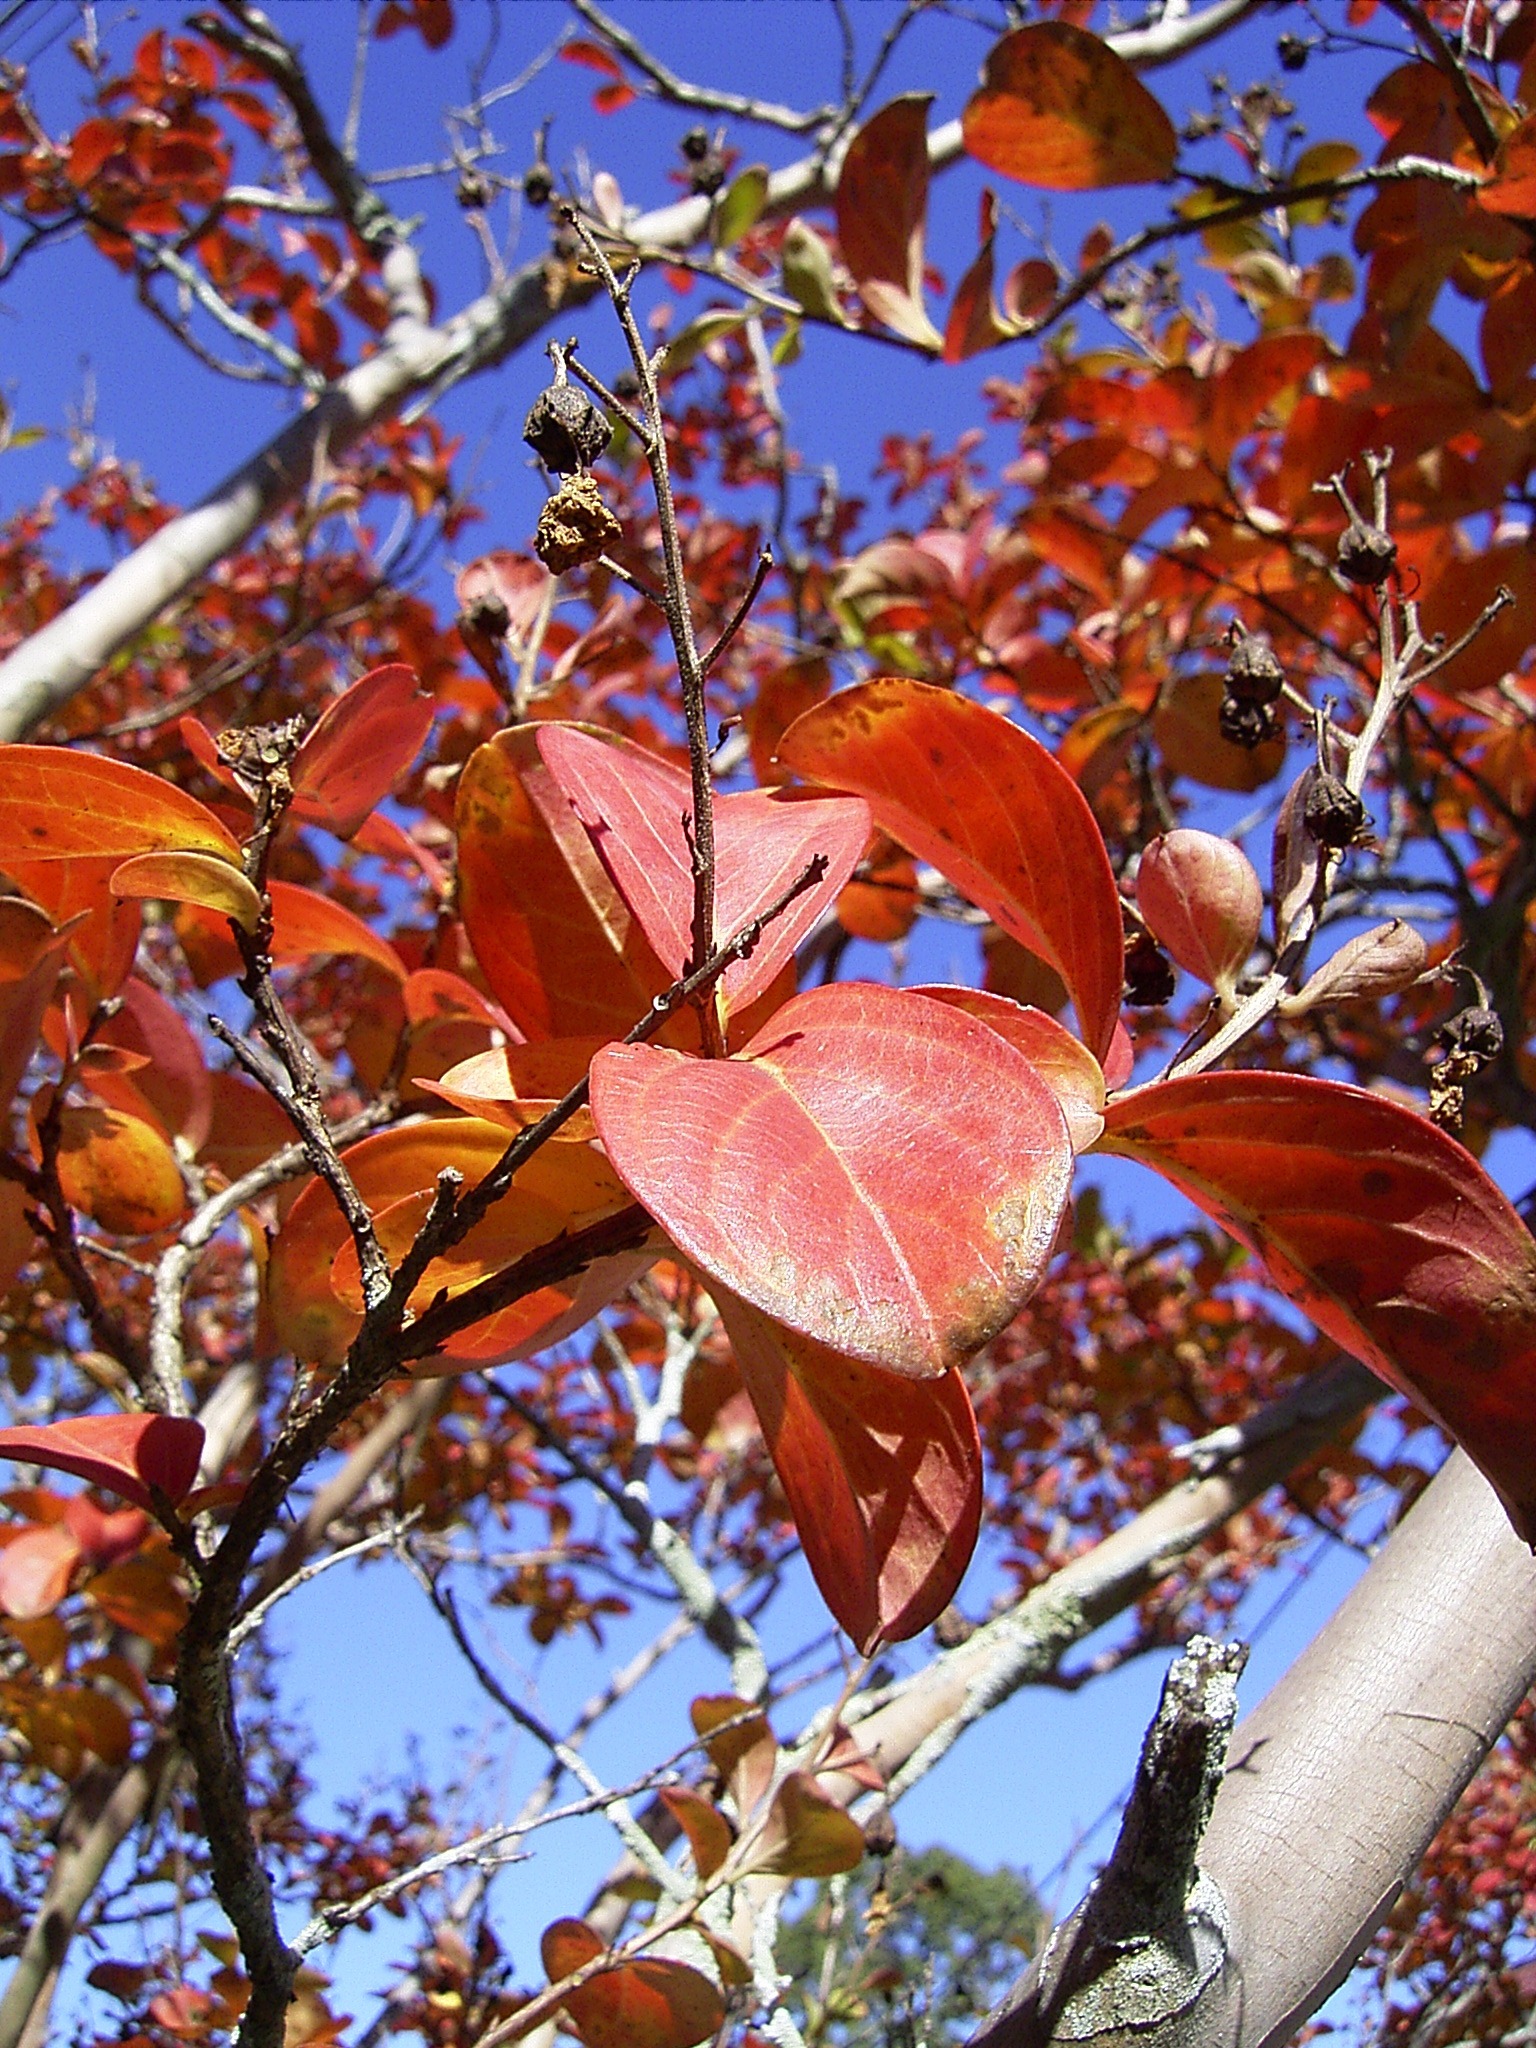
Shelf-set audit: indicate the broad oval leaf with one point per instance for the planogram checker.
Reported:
(1058, 108)
(807, 1833)
(1063, 1062)
(119, 1170)
(707, 1829)
(652, 2002)
(122, 1454)
(56, 804)
(883, 1474)
(561, 950)
(35, 1570)
(361, 744)
(306, 925)
(1383, 1229)
(312, 1321)
(190, 878)
(802, 1174)
(634, 806)
(988, 806)
(882, 210)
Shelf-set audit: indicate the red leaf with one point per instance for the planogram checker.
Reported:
(882, 209)
(803, 1173)
(649, 2003)
(363, 741)
(123, 1454)
(634, 804)
(987, 805)
(1063, 1062)
(883, 1474)
(1384, 1230)
(1060, 109)
(593, 55)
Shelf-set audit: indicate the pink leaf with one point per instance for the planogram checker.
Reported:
(123, 1454)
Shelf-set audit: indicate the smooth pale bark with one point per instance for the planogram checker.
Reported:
(40, 675)
(1336, 1784)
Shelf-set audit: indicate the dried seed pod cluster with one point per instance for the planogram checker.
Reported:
(565, 429)
(575, 526)
(1253, 683)
(1333, 814)
(1365, 554)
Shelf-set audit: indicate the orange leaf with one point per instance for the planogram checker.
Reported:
(882, 209)
(306, 924)
(707, 1829)
(802, 1174)
(883, 1474)
(56, 804)
(1058, 108)
(173, 1089)
(563, 954)
(118, 1169)
(740, 1744)
(35, 1570)
(634, 806)
(394, 1166)
(807, 1833)
(513, 1085)
(361, 744)
(987, 805)
(103, 930)
(1384, 1230)
(649, 2003)
(141, 1595)
(1512, 189)
(124, 1454)
(23, 1005)
(190, 878)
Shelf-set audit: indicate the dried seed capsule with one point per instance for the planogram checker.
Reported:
(1333, 814)
(1365, 554)
(538, 184)
(1245, 724)
(1253, 674)
(1149, 977)
(708, 176)
(472, 191)
(1476, 1033)
(575, 526)
(1293, 52)
(565, 429)
(695, 145)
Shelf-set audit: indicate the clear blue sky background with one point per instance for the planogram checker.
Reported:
(360, 1650)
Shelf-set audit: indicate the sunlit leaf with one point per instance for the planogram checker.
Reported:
(1383, 1229)
(56, 804)
(190, 878)
(807, 1833)
(123, 1454)
(634, 806)
(514, 1085)
(883, 1474)
(802, 1174)
(882, 211)
(35, 1570)
(989, 807)
(361, 744)
(707, 1829)
(307, 925)
(1063, 1062)
(119, 1170)
(649, 2003)
(741, 1746)
(1060, 109)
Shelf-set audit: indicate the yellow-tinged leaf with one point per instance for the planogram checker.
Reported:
(1320, 164)
(56, 804)
(190, 878)
(807, 1833)
(1059, 109)
(707, 1829)
(119, 1170)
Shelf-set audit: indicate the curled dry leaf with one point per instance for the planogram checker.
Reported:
(1373, 964)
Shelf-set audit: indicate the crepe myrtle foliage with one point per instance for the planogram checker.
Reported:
(485, 1102)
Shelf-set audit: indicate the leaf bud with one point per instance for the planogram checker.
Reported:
(1253, 674)
(1333, 814)
(1202, 902)
(1245, 724)
(1149, 979)
(1365, 554)
(575, 526)
(1376, 963)
(565, 429)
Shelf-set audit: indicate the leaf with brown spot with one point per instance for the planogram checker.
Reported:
(1384, 1230)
